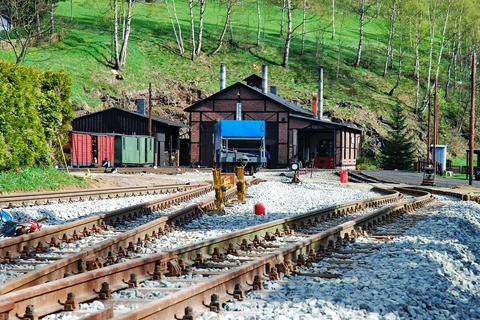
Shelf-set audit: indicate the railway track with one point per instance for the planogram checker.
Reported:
(139, 170)
(211, 267)
(38, 198)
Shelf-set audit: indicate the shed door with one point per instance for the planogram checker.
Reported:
(271, 143)
(207, 131)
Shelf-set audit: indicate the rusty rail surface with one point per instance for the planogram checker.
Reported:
(118, 246)
(36, 198)
(44, 297)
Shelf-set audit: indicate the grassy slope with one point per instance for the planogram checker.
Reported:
(85, 49)
(33, 179)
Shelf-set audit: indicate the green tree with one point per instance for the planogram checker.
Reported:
(398, 151)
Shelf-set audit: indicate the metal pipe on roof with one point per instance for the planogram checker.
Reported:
(264, 79)
(320, 93)
(223, 76)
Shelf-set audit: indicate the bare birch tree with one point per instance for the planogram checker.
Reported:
(333, 19)
(288, 40)
(391, 32)
(258, 23)
(120, 45)
(225, 26)
(192, 28)
(177, 33)
(400, 60)
(304, 19)
(282, 21)
(200, 26)
(361, 14)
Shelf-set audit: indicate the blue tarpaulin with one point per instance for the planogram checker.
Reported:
(242, 128)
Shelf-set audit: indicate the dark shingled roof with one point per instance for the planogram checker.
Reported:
(327, 123)
(288, 104)
(154, 118)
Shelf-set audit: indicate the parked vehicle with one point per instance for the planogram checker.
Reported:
(240, 142)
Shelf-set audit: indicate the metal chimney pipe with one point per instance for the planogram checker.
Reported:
(223, 76)
(320, 93)
(264, 79)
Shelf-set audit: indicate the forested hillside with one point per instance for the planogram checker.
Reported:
(377, 53)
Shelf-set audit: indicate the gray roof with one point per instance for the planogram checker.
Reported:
(289, 104)
(327, 123)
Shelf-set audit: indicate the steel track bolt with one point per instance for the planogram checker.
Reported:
(312, 255)
(238, 292)
(269, 236)
(29, 314)
(105, 293)
(7, 258)
(132, 282)
(139, 243)
(69, 304)
(131, 247)
(157, 272)
(231, 250)
(188, 314)
(300, 260)
(214, 304)
(146, 238)
(244, 245)
(53, 242)
(278, 233)
(257, 283)
(65, 238)
(273, 275)
(75, 235)
(85, 232)
(287, 231)
(198, 260)
(256, 240)
(40, 247)
(25, 253)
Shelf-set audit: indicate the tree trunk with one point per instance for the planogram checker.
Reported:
(333, 19)
(400, 58)
(128, 23)
(177, 38)
(258, 23)
(442, 43)
(449, 70)
(179, 27)
(52, 19)
(282, 21)
(455, 59)
(391, 32)
(115, 35)
(304, 18)
(192, 27)
(417, 64)
(286, 50)
(361, 13)
(227, 22)
(200, 26)
(37, 18)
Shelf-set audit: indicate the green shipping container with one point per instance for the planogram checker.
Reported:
(134, 150)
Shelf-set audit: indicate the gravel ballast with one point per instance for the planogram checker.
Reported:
(431, 272)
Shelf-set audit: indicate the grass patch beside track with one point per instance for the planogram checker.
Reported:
(37, 178)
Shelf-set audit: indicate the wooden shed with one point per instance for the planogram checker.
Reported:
(293, 133)
(121, 121)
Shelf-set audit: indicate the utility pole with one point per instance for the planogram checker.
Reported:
(150, 109)
(472, 120)
(435, 129)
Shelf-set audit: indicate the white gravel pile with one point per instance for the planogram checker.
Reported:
(432, 272)
(281, 200)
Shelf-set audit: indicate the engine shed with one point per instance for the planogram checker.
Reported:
(115, 120)
(293, 133)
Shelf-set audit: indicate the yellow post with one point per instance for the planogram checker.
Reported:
(217, 186)
(241, 185)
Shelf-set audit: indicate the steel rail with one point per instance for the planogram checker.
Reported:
(121, 245)
(44, 297)
(24, 199)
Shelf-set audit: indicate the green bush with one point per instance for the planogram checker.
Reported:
(34, 109)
